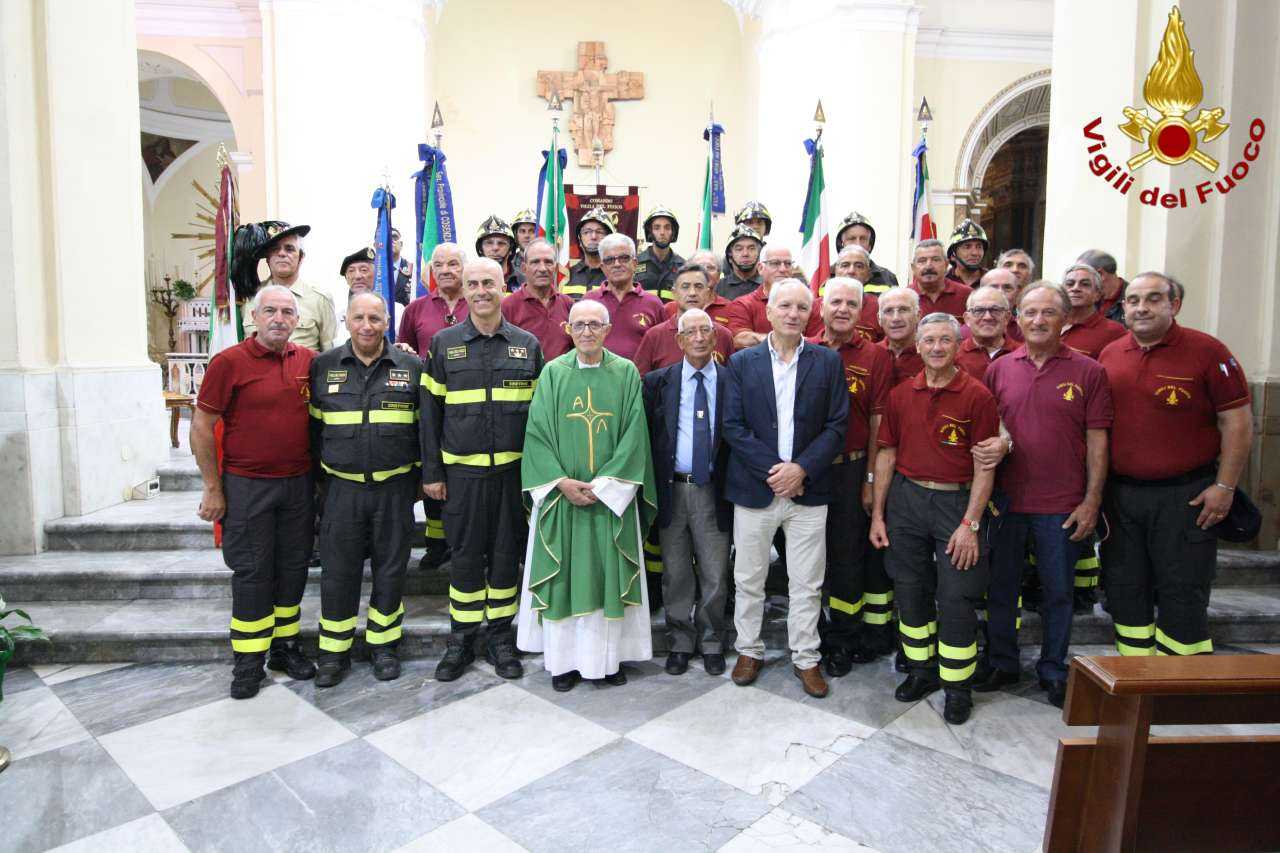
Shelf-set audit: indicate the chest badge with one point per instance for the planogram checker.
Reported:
(455, 352)
(641, 320)
(1173, 395)
(854, 377)
(336, 376)
(398, 375)
(1070, 391)
(952, 432)
(517, 352)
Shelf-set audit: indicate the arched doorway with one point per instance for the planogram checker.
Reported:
(1001, 171)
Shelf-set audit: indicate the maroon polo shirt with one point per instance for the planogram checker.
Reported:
(951, 299)
(637, 313)
(659, 348)
(951, 276)
(868, 324)
(1170, 395)
(747, 313)
(868, 373)
(1047, 411)
(717, 310)
(934, 428)
(262, 399)
(425, 316)
(545, 322)
(906, 364)
(974, 359)
(1092, 336)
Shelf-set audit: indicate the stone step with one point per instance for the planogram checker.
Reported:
(196, 629)
(180, 474)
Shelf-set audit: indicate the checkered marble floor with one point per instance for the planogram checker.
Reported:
(154, 757)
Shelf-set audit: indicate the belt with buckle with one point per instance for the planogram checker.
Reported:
(940, 487)
(682, 478)
(849, 457)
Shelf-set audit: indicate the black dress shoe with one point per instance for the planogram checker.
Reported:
(958, 707)
(677, 663)
(285, 656)
(713, 663)
(900, 662)
(616, 679)
(997, 679)
(332, 671)
(386, 663)
(915, 688)
(838, 663)
(1057, 691)
(565, 681)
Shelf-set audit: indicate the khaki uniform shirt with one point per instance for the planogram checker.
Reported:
(317, 320)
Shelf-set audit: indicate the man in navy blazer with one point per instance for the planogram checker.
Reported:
(785, 411)
(685, 406)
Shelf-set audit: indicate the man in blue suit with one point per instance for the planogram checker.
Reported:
(684, 403)
(785, 411)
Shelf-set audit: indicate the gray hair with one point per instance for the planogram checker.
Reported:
(589, 303)
(1009, 253)
(1045, 284)
(986, 291)
(707, 253)
(1176, 290)
(450, 247)
(1094, 276)
(788, 284)
(927, 244)
(691, 315)
(272, 288)
(844, 281)
(853, 249)
(775, 247)
(1099, 260)
(378, 296)
(621, 240)
(906, 293)
(939, 317)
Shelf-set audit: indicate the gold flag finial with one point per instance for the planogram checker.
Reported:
(437, 120)
(818, 115)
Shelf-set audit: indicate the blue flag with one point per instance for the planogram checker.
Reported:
(433, 207)
(384, 282)
(713, 134)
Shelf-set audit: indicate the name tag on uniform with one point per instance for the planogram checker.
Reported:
(517, 352)
(641, 268)
(455, 352)
(335, 376)
(397, 407)
(517, 383)
(333, 389)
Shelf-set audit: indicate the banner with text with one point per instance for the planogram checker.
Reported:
(622, 203)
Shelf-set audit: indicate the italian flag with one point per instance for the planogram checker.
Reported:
(815, 250)
(554, 219)
(922, 224)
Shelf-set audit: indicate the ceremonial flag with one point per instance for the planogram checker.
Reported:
(713, 184)
(225, 329)
(384, 282)
(433, 208)
(553, 224)
(922, 225)
(815, 250)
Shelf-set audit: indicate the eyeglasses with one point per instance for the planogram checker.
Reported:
(775, 263)
(588, 326)
(698, 332)
(987, 311)
(615, 259)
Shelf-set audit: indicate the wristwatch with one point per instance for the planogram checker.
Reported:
(975, 526)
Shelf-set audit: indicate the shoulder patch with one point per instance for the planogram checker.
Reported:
(455, 352)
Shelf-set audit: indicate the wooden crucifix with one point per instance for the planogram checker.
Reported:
(592, 91)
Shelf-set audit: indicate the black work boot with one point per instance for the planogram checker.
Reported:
(287, 657)
(436, 556)
(333, 668)
(457, 657)
(386, 663)
(958, 706)
(501, 652)
(247, 675)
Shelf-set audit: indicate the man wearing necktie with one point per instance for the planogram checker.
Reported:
(694, 519)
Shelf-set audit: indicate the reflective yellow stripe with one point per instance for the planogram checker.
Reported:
(958, 652)
(653, 548)
(654, 566)
(355, 478)
(435, 523)
(508, 592)
(573, 289)
(871, 617)
(499, 612)
(1090, 562)
(384, 619)
(512, 395)
(466, 615)
(286, 612)
(875, 288)
(1085, 581)
(467, 459)
(381, 638)
(338, 626)
(917, 652)
(258, 644)
(379, 476)
(921, 633)
(252, 627)
(947, 673)
(287, 630)
(844, 606)
(877, 597)
(341, 418)
(1136, 632)
(475, 395)
(378, 416)
(1134, 651)
(465, 597)
(1203, 647)
(433, 386)
(666, 296)
(435, 532)
(313, 411)
(506, 456)
(329, 644)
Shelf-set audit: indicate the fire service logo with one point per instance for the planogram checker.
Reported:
(1173, 89)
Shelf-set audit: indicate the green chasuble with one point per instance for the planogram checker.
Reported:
(586, 423)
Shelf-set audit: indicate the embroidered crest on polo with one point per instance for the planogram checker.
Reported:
(1070, 391)
(1173, 395)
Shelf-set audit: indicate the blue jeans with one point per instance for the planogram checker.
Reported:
(1055, 561)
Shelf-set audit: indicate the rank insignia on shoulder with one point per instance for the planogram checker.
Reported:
(455, 352)
(397, 407)
(398, 375)
(336, 376)
(517, 352)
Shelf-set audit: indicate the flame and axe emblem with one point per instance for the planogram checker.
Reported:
(1173, 87)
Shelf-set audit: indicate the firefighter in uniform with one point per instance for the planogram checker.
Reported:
(1165, 494)
(741, 263)
(525, 226)
(855, 229)
(587, 274)
(657, 265)
(480, 376)
(365, 402)
(496, 240)
(966, 247)
(755, 216)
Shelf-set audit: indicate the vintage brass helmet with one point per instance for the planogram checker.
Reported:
(524, 217)
(849, 221)
(595, 214)
(741, 232)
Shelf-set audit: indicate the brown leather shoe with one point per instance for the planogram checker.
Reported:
(746, 670)
(812, 679)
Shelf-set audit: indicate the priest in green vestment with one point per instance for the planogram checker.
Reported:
(587, 467)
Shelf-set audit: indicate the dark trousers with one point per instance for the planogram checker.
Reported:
(266, 542)
(1055, 563)
(1156, 558)
(845, 583)
(937, 603)
(374, 520)
(695, 577)
(485, 525)
(433, 508)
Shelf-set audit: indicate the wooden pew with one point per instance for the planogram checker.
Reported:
(1125, 790)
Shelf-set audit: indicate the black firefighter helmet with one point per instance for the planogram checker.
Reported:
(495, 226)
(741, 232)
(848, 222)
(964, 232)
(754, 210)
(657, 212)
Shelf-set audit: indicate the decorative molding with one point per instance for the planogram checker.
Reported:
(154, 190)
(198, 18)
(157, 66)
(179, 126)
(997, 142)
(1003, 100)
(229, 58)
(985, 45)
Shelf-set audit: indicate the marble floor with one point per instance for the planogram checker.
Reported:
(154, 757)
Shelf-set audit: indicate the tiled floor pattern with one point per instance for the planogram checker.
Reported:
(154, 757)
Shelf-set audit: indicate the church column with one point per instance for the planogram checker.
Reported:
(324, 158)
(858, 57)
(81, 416)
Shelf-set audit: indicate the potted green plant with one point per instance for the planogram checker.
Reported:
(9, 637)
